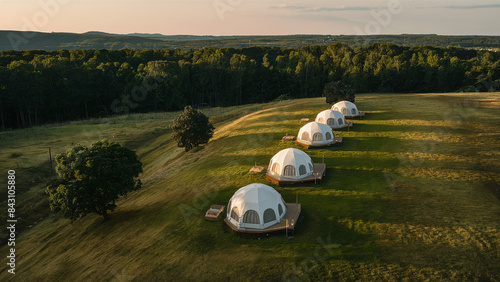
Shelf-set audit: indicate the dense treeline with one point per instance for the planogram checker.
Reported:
(38, 87)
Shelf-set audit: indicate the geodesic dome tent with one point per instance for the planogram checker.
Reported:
(290, 163)
(315, 134)
(333, 119)
(255, 206)
(347, 108)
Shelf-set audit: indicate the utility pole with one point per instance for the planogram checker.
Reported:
(50, 159)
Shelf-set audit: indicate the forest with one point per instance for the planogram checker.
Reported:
(41, 87)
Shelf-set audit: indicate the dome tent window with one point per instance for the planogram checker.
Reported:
(280, 209)
(311, 167)
(276, 168)
(321, 120)
(234, 214)
(344, 111)
(305, 136)
(330, 121)
(318, 137)
(289, 171)
(302, 170)
(328, 136)
(229, 209)
(341, 122)
(353, 111)
(269, 215)
(251, 217)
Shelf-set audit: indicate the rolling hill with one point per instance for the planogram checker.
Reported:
(412, 193)
(18, 40)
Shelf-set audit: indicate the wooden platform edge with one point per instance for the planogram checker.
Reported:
(309, 146)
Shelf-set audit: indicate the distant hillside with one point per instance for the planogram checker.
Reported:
(17, 40)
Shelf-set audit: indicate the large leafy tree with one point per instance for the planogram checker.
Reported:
(191, 128)
(337, 91)
(92, 179)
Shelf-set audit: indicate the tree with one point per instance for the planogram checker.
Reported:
(191, 128)
(93, 178)
(336, 91)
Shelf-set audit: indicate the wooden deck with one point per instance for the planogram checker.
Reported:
(291, 216)
(287, 138)
(347, 124)
(360, 116)
(337, 141)
(319, 170)
(214, 212)
(257, 169)
(304, 120)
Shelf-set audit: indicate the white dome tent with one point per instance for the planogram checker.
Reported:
(255, 206)
(315, 134)
(348, 109)
(292, 165)
(333, 119)
(259, 209)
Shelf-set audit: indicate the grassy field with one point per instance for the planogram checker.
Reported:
(413, 193)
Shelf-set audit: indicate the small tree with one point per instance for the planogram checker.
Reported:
(191, 128)
(337, 91)
(93, 178)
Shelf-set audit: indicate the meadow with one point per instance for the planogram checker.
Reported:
(413, 193)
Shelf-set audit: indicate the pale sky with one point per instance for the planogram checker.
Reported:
(254, 17)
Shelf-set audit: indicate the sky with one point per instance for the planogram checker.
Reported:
(254, 17)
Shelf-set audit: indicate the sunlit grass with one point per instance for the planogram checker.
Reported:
(410, 195)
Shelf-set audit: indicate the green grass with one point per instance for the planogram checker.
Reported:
(413, 193)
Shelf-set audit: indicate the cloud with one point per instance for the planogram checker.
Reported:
(301, 8)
